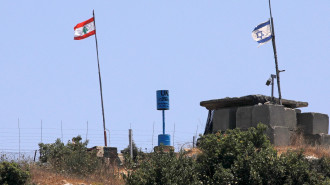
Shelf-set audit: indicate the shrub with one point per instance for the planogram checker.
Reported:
(323, 166)
(136, 153)
(233, 157)
(299, 170)
(164, 168)
(12, 173)
(70, 158)
(221, 151)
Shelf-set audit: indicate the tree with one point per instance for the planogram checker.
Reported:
(71, 158)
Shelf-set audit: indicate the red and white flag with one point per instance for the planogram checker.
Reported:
(84, 29)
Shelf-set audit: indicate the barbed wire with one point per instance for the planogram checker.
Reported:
(27, 156)
(25, 140)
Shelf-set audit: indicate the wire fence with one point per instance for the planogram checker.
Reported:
(27, 156)
(22, 142)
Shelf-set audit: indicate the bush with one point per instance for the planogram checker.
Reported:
(222, 151)
(164, 168)
(234, 157)
(12, 173)
(70, 158)
(136, 153)
(237, 157)
(299, 170)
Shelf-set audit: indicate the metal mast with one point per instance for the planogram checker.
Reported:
(275, 54)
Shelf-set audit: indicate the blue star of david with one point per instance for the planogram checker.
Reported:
(259, 34)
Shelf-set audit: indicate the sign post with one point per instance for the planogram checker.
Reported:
(163, 104)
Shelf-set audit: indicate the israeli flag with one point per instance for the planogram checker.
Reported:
(262, 33)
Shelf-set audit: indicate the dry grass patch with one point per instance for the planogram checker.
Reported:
(298, 142)
(315, 151)
(42, 175)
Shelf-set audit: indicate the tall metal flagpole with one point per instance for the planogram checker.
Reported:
(275, 55)
(98, 65)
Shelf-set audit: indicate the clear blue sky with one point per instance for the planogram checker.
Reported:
(198, 50)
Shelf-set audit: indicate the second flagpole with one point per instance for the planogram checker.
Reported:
(98, 65)
(275, 55)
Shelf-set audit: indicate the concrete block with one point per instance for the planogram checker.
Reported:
(103, 151)
(297, 110)
(279, 136)
(99, 151)
(166, 149)
(224, 119)
(318, 139)
(312, 139)
(290, 118)
(244, 117)
(325, 140)
(272, 115)
(110, 152)
(292, 135)
(313, 123)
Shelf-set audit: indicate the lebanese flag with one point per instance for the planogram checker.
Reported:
(84, 29)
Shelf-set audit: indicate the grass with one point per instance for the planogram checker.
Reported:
(315, 151)
(298, 142)
(103, 176)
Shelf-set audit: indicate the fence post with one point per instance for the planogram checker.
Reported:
(130, 142)
(35, 154)
(194, 138)
(19, 142)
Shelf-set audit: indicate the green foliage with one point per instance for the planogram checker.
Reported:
(136, 152)
(12, 173)
(249, 158)
(221, 151)
(164, 168)
(299, 170)
(323, 166)
(70, 158)
(260, 167)
(234, 157)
